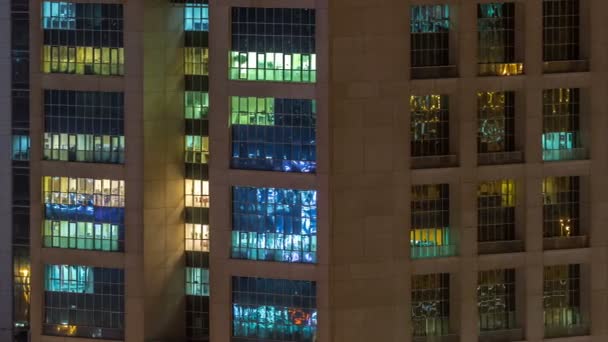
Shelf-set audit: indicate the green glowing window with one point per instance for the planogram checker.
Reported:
(197, 149)
(83, 235)
(431, 304)
(197, 281)
(196, 104)
(273, 44)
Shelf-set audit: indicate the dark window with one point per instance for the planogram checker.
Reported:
(561, 30)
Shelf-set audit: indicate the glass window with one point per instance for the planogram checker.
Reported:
(496, 115)
(561, 30)
(58, 15)
(561, 299)
(273, 134)
(430, 134)
(197, 193)
(496, 39)
(430, 31)
(273, 44)
(196, 149)
(21, 286)
(21, 147)
(431, 304)
(430, 221)
(561, 198)
(83, 60)
(274, 224)
(82, 301)
(83, 235)
(496, 299)
(197, 105)
(197, 281)
(197, 237)
(274, 309)
(496, 210)
(197, 60)
(196, 17)
(561, 136)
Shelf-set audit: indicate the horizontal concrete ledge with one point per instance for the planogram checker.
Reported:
(64, 256)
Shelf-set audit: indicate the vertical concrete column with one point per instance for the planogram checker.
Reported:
(533, 38)
(467, 39)
(598, 118)
(6, 239)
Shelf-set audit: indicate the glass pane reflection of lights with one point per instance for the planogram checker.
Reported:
(274, 224)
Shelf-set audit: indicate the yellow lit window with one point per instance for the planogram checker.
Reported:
(83, 60)
(196, 61)
(197, 193)
(197, 237)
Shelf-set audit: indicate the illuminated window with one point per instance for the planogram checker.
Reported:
(496, 129)
(58, 15)
(274, 309)
(430, 31)
(197, 60)
(82, 301)
(273, 134)
(273, 44)
(83, 235)
(196, 17)
(496, 39)
(21, 286)
(561, 206)
(561, 299)
(84, 200)
(431, 304)
(429, 125)
(197, 193)
(197, 105)
(197, 237)
(197, 149)
(561, 30)
(496, 299)
(21, 147)
(430, 221)
(197, 281)
(496, 211)
(274, 224)
(83, 60)
(561, 137)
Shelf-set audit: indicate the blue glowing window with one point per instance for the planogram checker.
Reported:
(274, 224)
(430, 18)
(273, 134)
(68, 278)
(197, 281)
(273, 309)
(21, 147)
(196, 17)
(58, 15)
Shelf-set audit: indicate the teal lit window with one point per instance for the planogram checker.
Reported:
(430, 30)
(561, 131)
(430, 234)
(21, 147)
(196, 104)
(67, 278)
(196, 17)
(283, 50)
(58, 15)
(431, 304)
(197, 149)
(273, 310)
(197, 281)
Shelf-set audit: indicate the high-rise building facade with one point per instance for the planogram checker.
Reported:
(252, 170)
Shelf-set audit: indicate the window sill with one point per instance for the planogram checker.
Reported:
(565, 154)
(501, 335)
(575, 330)
(429, 162)
(570, 242)
(554, 67)
(445, 338)
(427, 252)
(497, 158)
(439, 71)
(500, 247)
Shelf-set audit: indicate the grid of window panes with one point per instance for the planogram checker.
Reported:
(83, 213)
(197, 237)
(561, 30)
(496, 32)
(21, 147)
(273, 224)
(496, 299)
(561, 297)
(84, 126)
(273, 44)
(496, 210)
(196, 17)
(430, 134)
(197, 281)
(82, 38)
(273, 134)
(496, 127)
(560, 123)
(82, 301)
(561, 201)
(21, 286)
(431, 304)
(197, 193)
(197, 105)
(196, 149)
(430, 35)
(196, 60)
(430, 221)
(273, 310)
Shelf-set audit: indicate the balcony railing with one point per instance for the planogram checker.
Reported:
(423, 252)
(501, 335)
(572, 330)
(444, 338)
(500, 247)
(565, 154)
(494, 158)
(501, 69)
(551, 67)
(565, 242)
(429, 162)
(442, 71)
